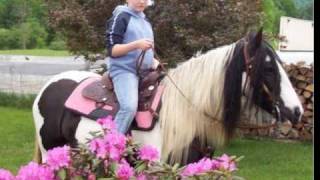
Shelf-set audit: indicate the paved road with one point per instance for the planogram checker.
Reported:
(43, 66)
(27, 74)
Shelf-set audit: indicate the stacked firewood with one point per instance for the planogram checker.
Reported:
(301, 77)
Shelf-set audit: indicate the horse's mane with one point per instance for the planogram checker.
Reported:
(202, 80)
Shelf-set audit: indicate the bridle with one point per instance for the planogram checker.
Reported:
(248, 70)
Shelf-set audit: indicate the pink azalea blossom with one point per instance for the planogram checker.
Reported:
(59, 157)
(124, 171)
(107, 123)
(92, 177)
(35, 171)
(115, 144)
(98, 146)
(190, 170)
(142, 176)
(215, 164)
(204, 165)
(226, 163)
(6, 175)
(114, 153)
(112, 145)
(148, 153)
(116, 139)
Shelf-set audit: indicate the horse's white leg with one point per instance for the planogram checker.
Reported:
(152, 137)
(84, 128)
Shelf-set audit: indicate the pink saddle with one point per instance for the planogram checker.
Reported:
(93, 99)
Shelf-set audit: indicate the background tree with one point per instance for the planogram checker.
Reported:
(24, 25)
(274, 9)
(181, 27)
(306, 9)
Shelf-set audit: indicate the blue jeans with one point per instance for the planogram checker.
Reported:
(126, 89)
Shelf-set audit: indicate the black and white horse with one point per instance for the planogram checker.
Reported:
(217, 87)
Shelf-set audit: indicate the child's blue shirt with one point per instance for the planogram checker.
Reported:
(125, 26)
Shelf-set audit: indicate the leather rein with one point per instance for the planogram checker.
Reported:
(139, 61)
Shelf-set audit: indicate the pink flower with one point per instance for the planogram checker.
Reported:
(124, 171)
(98, 146)
(116, 139)
(35, 171)
(142, 176)
(112, 145)
(190, 170)
(226, 163)
(114, 153)
(115, 145)
(92, 177)
(215, 164)
(148, 153)
(6, 175)
(107, 123)
(204, 165)
(59, 157)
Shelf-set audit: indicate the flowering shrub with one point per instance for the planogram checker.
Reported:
(115, 156)
(5, 175)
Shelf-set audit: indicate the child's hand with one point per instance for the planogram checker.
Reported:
(144, 44)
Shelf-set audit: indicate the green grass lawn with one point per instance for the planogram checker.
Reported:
(267, 159)
(36, 52)
(16, 140)
(263, 159)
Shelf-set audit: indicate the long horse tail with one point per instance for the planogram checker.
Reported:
(36, 152)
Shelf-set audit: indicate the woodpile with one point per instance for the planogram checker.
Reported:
(301, 77)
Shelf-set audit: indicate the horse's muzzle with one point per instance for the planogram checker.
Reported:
(294, 116)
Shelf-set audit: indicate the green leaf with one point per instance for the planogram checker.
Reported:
(113, 167)
(141, 167)
(239, 158)
(62, 174)
(77, 178)
(175, 167)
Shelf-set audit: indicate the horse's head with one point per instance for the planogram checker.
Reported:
(268, 85)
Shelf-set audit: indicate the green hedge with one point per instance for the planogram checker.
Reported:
(21, 101)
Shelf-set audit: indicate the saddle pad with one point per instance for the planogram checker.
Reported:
(81, 104)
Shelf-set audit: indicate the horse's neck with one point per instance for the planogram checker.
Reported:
(202, 78)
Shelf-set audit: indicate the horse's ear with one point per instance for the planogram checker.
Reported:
(258, 38)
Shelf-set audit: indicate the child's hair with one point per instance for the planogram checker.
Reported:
(150, 2)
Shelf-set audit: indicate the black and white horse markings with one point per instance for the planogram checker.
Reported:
(214, 85)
